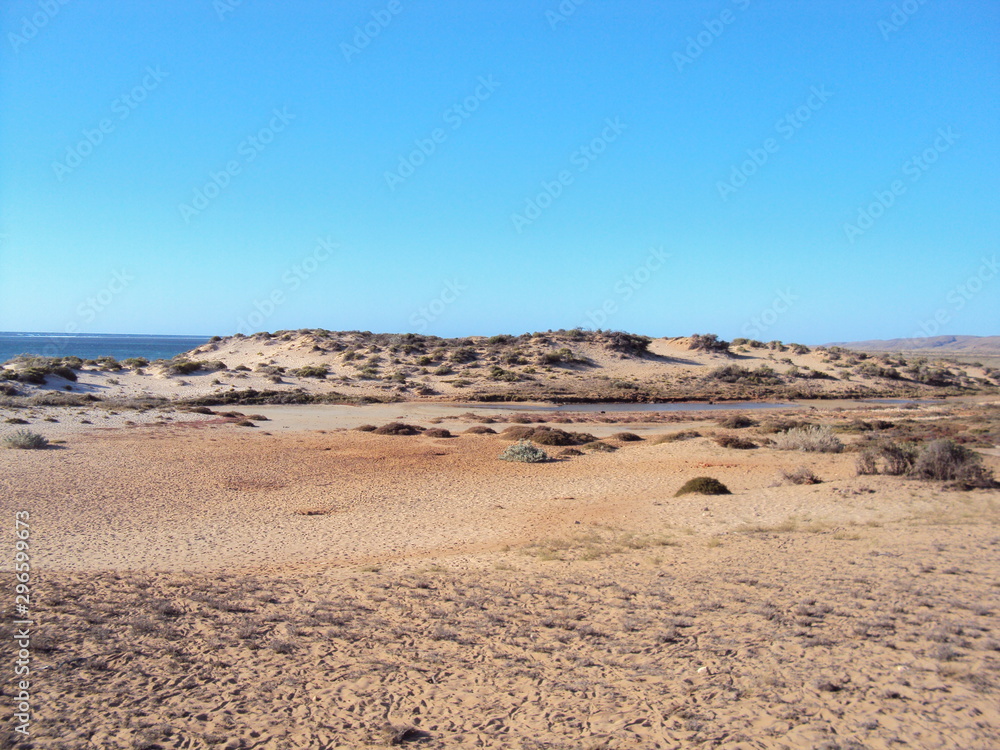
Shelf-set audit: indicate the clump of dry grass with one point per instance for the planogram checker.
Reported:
(437, 432)
(801, 475)
(626, 437)
(25, 440)
(480, 429)
(810, 438)
(672, 437)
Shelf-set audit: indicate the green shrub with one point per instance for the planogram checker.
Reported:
(25, 440)
(32, 375)
(703, 486)
(763, 375)
(558, 356)
(312, 371)
(627, 343)
(108, 363)
(524, 452)
(464, 354)
(187, 366)
(137, 362)
(498, 373)
(708, 342)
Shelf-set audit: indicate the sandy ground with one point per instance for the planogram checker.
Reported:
(292, 585)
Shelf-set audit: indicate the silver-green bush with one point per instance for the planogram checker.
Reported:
(25, 439)
(524, 451)
(811, 438)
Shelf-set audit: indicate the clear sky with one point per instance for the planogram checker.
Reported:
(806, 171)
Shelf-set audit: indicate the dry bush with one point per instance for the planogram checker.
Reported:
(518, 432)
(886, 457)
(801, 475)
(672, 437)
(366, 428)
(736, 422)
(626, 437)
(811, 438)
(480, 429)
(735, 441)
(25, 440)
(398, 428)
(947, 461)
(437, 432)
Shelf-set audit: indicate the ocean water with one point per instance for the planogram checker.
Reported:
(93, 345)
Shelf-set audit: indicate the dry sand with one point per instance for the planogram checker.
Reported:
(207, 585)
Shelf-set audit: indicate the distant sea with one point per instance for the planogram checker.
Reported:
(94, 345)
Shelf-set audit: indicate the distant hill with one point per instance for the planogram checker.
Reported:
(973, 345)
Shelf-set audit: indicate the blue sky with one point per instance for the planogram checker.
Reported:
(802, 171)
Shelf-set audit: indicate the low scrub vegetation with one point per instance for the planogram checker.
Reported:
(763, 375)
(25, 440)
(523, 451)
(708, 342)
(703, 486)
(940, 460)
(188, 366)
(811, 438)
(735, 441)
(801, 475)
(398, 428)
